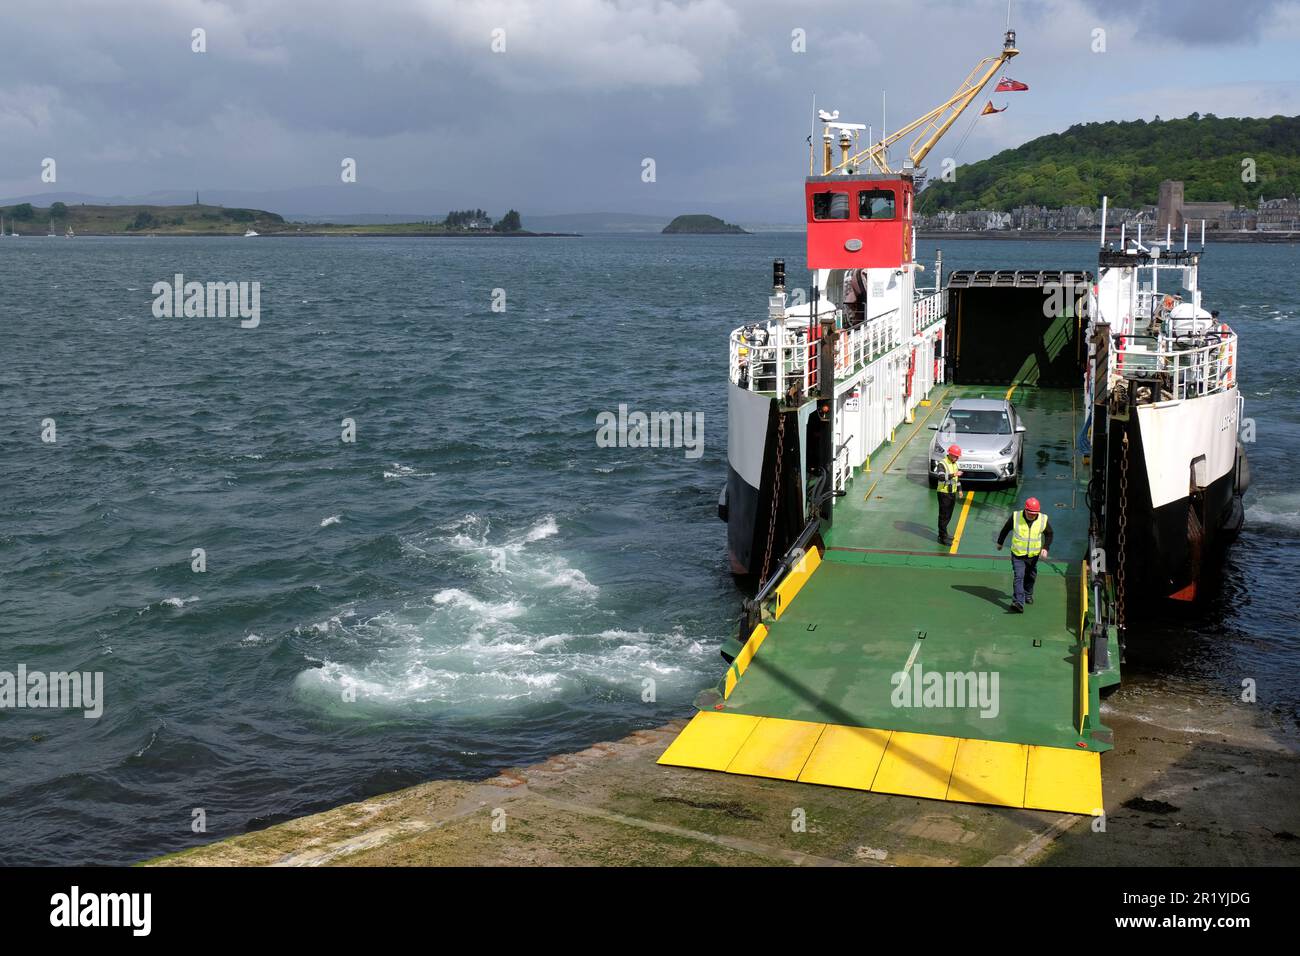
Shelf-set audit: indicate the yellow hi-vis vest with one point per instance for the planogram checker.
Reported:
(1026, 538)
(948, 483)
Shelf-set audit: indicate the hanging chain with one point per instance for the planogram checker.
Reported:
(776, 495)
(1123, 534)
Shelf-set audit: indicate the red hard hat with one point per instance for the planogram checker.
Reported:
(954, 450)
(1032, 506)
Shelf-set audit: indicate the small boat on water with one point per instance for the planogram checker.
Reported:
(250, 232)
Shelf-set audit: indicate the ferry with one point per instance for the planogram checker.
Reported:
(871, 655)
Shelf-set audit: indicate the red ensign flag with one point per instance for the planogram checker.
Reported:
(1008, 85)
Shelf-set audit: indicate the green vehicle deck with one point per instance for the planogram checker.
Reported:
(997, 708)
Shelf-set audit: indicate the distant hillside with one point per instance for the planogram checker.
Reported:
(703, 225)
(1127, 161)
(100, 220)
(87, 219)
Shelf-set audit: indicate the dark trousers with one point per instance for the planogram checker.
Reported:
(1024, 572)
(946, 503)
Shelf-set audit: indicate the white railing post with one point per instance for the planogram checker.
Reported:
(780, 357)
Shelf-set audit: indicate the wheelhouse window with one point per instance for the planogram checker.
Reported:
(876, 204)
(830, 205)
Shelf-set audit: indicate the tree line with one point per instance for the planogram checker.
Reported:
(465, 218)
(1218, 160)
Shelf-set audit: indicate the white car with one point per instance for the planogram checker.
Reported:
(992, 440)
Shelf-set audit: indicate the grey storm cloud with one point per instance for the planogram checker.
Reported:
(560, 120)
(1195, 22)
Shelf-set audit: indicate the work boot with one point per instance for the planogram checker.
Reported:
(1017, 609)
(1029, 599)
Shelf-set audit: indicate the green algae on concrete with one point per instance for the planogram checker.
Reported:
(1229, 772)
(612, 805)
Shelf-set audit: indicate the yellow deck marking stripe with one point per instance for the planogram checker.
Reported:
(1083, 644)
(710, 740)
(1009, 391)
(989, 771)
(1083, 596)
(795, 580)
(1083, 685)
(750, 649)
(919, 426)
(777, 748)
(961, 522)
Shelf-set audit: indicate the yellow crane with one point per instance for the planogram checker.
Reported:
(935, 123)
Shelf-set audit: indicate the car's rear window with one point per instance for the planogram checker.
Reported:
(973, 421)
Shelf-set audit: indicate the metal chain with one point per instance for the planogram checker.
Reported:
(776, 495)
(1123, 534)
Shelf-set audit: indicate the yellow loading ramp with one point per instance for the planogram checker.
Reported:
(885, 761)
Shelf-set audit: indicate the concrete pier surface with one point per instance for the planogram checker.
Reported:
(1191, 782)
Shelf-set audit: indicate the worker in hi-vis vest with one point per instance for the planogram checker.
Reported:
(1031, 537)
(949, 488)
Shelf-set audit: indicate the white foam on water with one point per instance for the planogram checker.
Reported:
(332, 519)
(1274, 510)
(404, 471)
(486, 611)
(326, 626)
(516, 633)
(168, 602)
(544, 529)
(513, 560)
(1259, 516)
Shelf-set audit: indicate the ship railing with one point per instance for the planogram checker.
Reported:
(775, 356)
(1185, 366)
(928, 310)
(779, 357)
(861, 344)
(1153, 306)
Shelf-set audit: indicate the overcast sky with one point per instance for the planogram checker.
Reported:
(583, 92)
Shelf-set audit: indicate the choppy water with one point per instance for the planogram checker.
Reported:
(473, 583)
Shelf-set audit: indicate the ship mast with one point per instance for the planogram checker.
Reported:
(935, 123)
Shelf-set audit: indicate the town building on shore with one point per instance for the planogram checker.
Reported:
(1171, 213)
